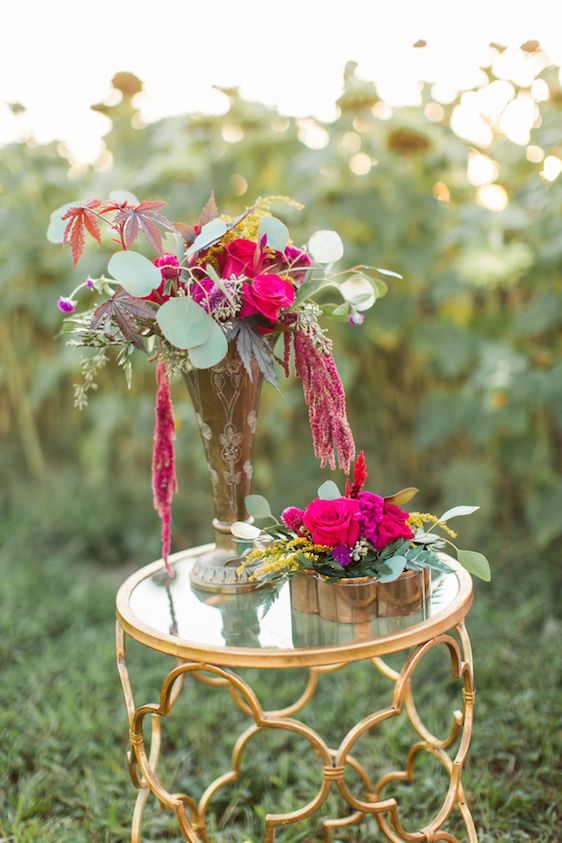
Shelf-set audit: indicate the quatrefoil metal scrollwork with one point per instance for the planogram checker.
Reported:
(192, 814)
(383, 809)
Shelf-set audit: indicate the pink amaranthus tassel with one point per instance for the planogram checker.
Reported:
(325, 397)
(164, 482)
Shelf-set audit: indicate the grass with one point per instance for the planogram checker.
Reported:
(63, 775)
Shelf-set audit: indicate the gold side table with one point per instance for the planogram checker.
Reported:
(213, 635)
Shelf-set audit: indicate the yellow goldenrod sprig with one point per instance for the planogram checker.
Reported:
(417, 521)
(248, 227)
(281, 556)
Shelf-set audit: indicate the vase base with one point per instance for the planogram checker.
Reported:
(216, 572)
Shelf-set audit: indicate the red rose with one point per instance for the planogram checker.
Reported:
(238, 258)
(267, 295)
(334, 522)
(392, 526)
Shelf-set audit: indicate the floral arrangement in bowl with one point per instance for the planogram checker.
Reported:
(227, 281)
(354, 536)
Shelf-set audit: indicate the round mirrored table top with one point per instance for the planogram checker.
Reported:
(248, 629)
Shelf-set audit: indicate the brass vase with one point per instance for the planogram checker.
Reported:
(226, 400)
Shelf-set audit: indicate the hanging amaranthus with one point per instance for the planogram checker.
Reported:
(325, 399)
(164, 482)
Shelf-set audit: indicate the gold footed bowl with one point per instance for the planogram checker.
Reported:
(359, 599)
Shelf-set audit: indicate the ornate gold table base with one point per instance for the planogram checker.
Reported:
(192, 815)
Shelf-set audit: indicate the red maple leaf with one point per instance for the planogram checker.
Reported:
(80, 219)
(210, 211)
(146, 218)
(129, 313)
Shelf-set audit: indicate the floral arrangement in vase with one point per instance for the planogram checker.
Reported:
(357, 536)
(211, 306)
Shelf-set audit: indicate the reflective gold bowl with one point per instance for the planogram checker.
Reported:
(359, 599)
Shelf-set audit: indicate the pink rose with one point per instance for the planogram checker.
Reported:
(238, 259)
(333, 523)
(295, 259)
(267, 295)
(371, 507)
(392, 526)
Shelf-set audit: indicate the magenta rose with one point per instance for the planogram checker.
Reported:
(392, 526)
(296, 259)
(238, 259)
(371, 507)
(333, 523)
(267, 295)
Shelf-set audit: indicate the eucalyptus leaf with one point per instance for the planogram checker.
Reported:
(359, 292)
(325, 246)
(209, 233)
(258, 506)
(212, 351)
(243, 530)
(426, 538)
(309, 286)
(396, 564)
(389, 272)
(124, 196)
(458, 510)
(328, 491)
(136, 274)
(174, 244)
(276, 232)
(57, 226)
(337, 311)
(475, 563)
(184, 323)
(214, 276)
(381, 287)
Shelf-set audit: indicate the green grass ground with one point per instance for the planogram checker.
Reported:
(63, 775)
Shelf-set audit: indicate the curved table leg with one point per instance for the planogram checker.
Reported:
(386, 811)
(334, 761)
(139, 781)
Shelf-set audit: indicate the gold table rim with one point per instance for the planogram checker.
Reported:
(277, 657)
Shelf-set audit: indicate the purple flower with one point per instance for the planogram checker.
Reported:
(292, 518)
(66, 305)
(90, 284)
(356, 318)
(342, 554)
(201, 290)
(216, 298)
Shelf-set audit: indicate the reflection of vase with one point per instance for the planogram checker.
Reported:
(241, 619)
(226, 403)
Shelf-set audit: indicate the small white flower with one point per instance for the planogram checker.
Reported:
(360, 549)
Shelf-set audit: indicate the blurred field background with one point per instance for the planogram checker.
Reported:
(454, 385)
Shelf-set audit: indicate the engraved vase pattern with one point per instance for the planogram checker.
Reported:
(226, 400)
